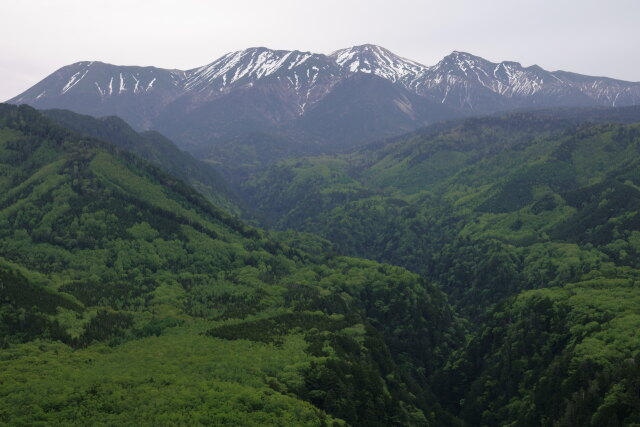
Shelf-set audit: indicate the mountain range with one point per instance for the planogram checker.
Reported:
(315, 101)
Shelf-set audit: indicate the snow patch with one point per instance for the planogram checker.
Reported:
(74, 81)
(99, 88)
(245, 67)
(122, 87)
(135, 88)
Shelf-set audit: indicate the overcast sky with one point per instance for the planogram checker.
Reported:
(596, 37)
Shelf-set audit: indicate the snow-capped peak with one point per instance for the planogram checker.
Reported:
(460, 72)
(377, 60)
(460, 63)
(459, 80)
(246, 66)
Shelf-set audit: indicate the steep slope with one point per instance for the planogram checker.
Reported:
(372, 59)
(363, 108)
(127, 298)
(472, 83)
(136, 94)
(309, 76)
(155, 148)
(565, 356)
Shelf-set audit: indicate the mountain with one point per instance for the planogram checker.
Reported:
(472, 83)
(365, 107)
(136, 94)
(372, 59)
(307, 75)
(155, 148)
(126, 297)
(324, 102)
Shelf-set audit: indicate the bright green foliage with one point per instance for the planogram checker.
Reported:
(181, 377)
(559, 356)
(153, 147)
(488, 208)
(126, 298)
(292, 193)
(528, 184)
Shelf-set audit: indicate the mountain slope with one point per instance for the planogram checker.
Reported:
(530, 224)
(155, 148)
(307, 74)
(508, 184)
(363, 108)
(136, 94)
(372, 59)
(472, 83)
(126, 297)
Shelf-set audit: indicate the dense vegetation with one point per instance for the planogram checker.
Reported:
(240, 157)
(155, 148)
(126, 297)
(488, 208)
(557, 356)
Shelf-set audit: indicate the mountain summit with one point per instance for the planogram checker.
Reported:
(137, 94)
(377, 60)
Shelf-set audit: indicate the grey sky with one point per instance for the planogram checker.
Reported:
(596, 37)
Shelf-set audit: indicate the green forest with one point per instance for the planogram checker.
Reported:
(529, 224)
(481, 272)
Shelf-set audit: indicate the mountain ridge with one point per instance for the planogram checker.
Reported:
(284, 93)
(261, 62)
(153, 147)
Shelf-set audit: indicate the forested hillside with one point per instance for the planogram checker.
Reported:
(530, 224)
(155, 148)
(127, 298)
